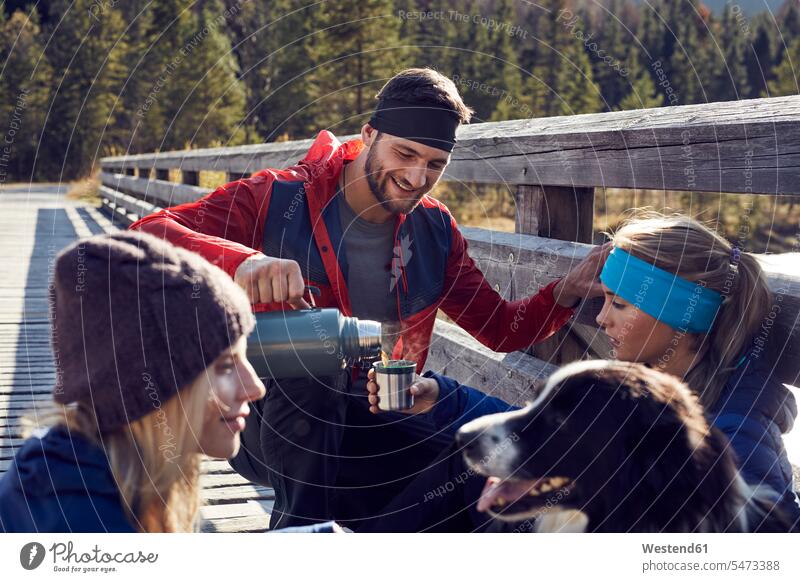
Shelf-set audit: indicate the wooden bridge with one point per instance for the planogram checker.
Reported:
(552, 166)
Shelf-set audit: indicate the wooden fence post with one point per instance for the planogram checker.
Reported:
(558, 212)
(562, 213)
(191, 177)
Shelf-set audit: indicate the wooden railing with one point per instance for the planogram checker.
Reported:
(553, 166)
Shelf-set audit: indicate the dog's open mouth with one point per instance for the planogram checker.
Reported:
(513, 499)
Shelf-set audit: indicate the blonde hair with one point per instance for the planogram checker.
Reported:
(154, 459)
(686, 247)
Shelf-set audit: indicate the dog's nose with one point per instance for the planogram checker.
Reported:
(465, 440)
(468, 442)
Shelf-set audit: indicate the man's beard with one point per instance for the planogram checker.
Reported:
(378, 188)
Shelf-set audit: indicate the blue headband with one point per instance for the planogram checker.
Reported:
(683, 305)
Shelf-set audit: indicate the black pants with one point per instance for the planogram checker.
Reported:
(327, 456)
(442, 498)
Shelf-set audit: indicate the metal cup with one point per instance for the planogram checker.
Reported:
(394, 380)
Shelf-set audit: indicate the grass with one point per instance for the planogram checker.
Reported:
(86, 190)
(756, 223)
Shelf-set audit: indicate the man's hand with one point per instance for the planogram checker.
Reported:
(425, 391)
(267, 279)
(583, 281)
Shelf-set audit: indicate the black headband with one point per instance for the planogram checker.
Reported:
(428, 124)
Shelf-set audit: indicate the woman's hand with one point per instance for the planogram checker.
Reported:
(424, 390)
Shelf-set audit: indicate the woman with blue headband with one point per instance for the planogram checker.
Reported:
(679, 298)
(682, 299)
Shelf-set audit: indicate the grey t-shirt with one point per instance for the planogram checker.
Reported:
(370, 248)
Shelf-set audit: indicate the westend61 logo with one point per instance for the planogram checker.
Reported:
(66, 559)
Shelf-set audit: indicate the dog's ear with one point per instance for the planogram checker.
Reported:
(715, 462)
(658, 442)
(658, 467)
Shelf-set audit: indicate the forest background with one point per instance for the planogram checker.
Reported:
(84, 79)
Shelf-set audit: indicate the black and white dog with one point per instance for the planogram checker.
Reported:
(613, 447)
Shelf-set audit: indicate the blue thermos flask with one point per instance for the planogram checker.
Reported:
(310, 343)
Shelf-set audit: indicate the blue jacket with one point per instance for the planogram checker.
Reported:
(753, 411)
(62, 482)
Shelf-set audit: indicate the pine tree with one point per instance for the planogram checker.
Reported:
(5, 49)
(542, 85)
(730, 81)
(505, 71)
(487, 59)
(194, 97)
(577, 88)
(355, 51)
(171, 23)
(472, 62)
(561, 82)
(128, 134)
(86, 54)
(25, 81)
(212, 111)
(426, 42)
(788, 22)
(790, 19)
(531, 18)
(652, 33)
(606, 66)
(642, 93)
(272, 49)
(412, 49)
(709, 58)
(678, 47)
(760, 54)
(786, 73)
(686, 69)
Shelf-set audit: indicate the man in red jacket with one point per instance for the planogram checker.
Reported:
(355, 220)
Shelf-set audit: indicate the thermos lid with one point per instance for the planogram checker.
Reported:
(369, 338)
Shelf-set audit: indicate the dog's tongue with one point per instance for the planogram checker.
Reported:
(496, 488)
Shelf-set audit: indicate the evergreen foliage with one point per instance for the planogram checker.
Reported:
(82, 79)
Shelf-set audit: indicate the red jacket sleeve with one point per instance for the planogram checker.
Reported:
(225, 227)
(503, 326)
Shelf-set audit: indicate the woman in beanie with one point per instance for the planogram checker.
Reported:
(149, 342)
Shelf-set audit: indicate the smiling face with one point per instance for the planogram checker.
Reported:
(636, 336)
(231, 383)
(400, 171)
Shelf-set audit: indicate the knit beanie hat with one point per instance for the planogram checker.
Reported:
(134, 319)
